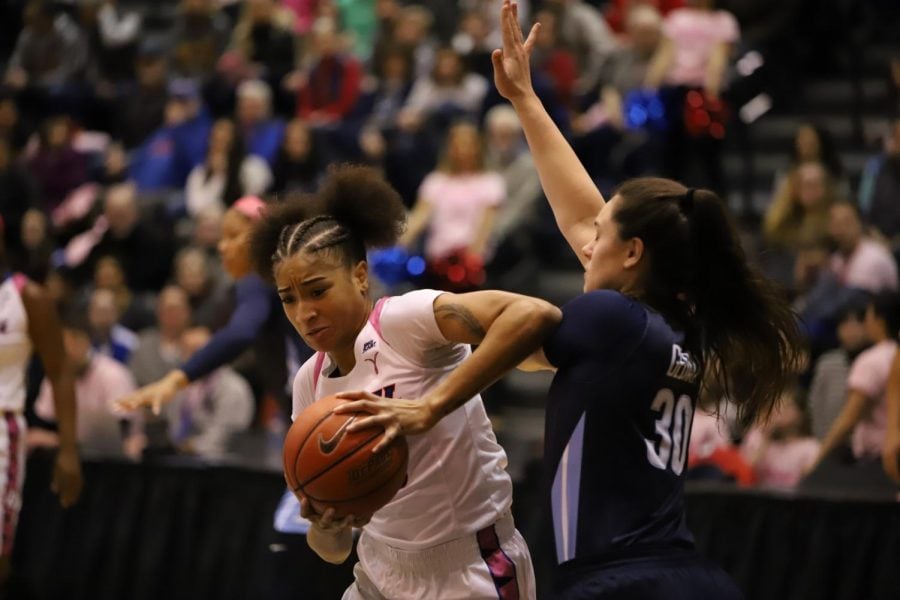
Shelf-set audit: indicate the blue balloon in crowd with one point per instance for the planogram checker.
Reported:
(395, 265)
(644, 110)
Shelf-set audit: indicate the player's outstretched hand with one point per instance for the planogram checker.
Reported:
(67, 481)
(154, 395)
(396, 415)
(512, 68)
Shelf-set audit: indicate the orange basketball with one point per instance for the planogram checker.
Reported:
(331, 466)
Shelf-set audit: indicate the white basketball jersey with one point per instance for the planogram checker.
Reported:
(15, 344)
(457, 480)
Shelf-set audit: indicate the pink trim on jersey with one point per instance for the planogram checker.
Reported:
(10, 505)
(374, 319)
(317, 369)
(19, 280)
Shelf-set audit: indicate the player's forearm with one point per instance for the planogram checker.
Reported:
(570, 190)
(332, 547)
(63, 385)
(516, 332)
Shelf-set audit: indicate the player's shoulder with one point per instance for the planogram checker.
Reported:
(606, 307)
(397, 310)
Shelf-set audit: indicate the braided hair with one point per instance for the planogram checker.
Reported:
(355, 209)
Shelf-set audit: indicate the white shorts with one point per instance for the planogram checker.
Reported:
(493, 563)
(12, 476)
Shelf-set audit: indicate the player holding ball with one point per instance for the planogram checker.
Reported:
(448, 531)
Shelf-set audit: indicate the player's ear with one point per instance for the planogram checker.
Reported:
(635, 251)
(361, 277)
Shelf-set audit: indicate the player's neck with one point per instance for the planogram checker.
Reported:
(345, 358)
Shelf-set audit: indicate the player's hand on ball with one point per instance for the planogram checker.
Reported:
(396, 415)
(326, 520)
(512, 68)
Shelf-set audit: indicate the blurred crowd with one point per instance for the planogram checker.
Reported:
(127, 128)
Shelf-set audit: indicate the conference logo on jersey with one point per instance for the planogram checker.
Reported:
(328, 446)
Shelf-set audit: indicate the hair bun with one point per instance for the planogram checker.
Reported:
(360, 199)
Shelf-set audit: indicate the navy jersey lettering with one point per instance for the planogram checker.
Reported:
(619, 414)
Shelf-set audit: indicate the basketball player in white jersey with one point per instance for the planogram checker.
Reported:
(448, 532)
(29, 322)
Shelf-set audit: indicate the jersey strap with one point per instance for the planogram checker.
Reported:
(375, 317)
(19, 280)
(317, 369)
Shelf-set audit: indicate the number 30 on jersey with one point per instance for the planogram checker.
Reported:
(673, 428)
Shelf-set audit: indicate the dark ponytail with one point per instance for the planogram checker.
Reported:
(736, 321)
(354, 210)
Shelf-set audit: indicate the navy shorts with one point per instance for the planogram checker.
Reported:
(684, 577)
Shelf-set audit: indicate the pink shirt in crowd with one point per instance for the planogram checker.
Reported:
(458, 205)
(694, 35)
(870, 267)
(869, 375)
(783, 462)
(105, 381)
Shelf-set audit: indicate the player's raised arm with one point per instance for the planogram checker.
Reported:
(574, 198)
(507, 327)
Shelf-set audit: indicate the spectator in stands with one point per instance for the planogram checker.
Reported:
(108, 336)
(135, 312)
(798, 214)
(828, 390)
(122, 233)
(507, 154)
(448, 93)
(329, 91)
(18, 193)
(159, 347)
(142, 108)
(228, 173)
(37, 246)
(50, 54)
(381, 106)
(781, 450)
(198, 38)
(299, 162)
(410, 30)
(207, 293)
(474, 42)
(693, 55)
(206, 231)
(610, 147)
(879, 190)
(112, 33)
(583, 30)
(264, 39)
(204, 417)
(163, 161)
(863, 419)
(56, 166)
(102, 428)
(859, 261)
(552, 59)
(12, 129)
(815, 144)
(458, 202)
(712, 455)
(358, 20)
(261, 132)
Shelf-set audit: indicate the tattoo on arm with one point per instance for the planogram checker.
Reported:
(462, 314)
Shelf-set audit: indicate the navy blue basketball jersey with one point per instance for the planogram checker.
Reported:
(619, 416)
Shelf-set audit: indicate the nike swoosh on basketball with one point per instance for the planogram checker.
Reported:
(328, 446)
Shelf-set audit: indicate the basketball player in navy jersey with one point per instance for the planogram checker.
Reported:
(669, 303)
